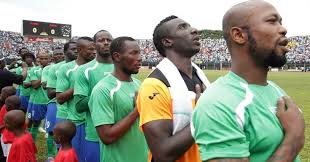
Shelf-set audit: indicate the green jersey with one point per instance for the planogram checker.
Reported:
(45, 70)
(51, 83)
(111, 100)
(18, 71)
(27, 91)
(240, 123)
(31, 74)
(87, 77)
(65, 81)
(40, 94)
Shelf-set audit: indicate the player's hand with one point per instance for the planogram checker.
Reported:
(199, 90)
(24, 65)
(43, 85)
(291, 118)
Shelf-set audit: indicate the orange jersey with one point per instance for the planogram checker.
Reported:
(154, 102)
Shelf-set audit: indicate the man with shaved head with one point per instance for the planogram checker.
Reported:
(243, 116)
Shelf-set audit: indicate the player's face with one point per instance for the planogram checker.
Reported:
(58, 55)
(88, 50)
(72, 51)
(185, 39)
(29, 60)
(130, 59)
(103, 42)
(266, 35)
(44, 60)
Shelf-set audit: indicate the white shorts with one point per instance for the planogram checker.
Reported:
(5, 147)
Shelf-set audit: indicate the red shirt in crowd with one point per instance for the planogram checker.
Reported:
(23, 149)
(66, 156)
(7, 136)
(2, 114)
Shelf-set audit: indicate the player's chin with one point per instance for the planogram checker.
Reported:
(282, 50)
(135, 71)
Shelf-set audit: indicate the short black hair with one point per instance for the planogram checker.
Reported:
(95, 36)
(28, 54)
(20, 50)
(85, 38)
(78, 44)
(160, 33)
(66, 46)
(117, 45)
(67, 128)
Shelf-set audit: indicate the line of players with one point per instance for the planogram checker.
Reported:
(61, 90)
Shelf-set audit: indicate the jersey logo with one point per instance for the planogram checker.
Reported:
(154, 94)
(273, 109)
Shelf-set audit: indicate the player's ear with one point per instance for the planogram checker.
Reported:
(166, 42)
(116, 56)
(238, 35)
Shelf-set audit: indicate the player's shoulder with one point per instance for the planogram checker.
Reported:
(82, 68)
(224, 91)
(87, 65)
(158, 77)
(47, 67)
(106, 82)
(135, 80)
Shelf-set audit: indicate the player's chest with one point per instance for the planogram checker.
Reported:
(262, 127)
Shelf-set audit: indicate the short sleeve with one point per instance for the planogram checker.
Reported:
(101, 106)
(44, 76)
(52, 79)
(34, 74)
(154, 101)
(81, 85)
(29, 73)
(63, 82)
(216, 131)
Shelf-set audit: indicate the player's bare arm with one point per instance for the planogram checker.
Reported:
(64, 96)
(164, 146)
(112, 132)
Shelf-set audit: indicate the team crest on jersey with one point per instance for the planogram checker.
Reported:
(273, 109)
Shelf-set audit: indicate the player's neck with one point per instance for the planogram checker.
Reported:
(80, 61)
(250, 72)
(184, 64)
(103, 59)
(19, 132)
(121, 75)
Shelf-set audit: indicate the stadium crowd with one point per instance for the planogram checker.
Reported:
(212, 50)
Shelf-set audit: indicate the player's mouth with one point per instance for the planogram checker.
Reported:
(283, 43)
(196, 40)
